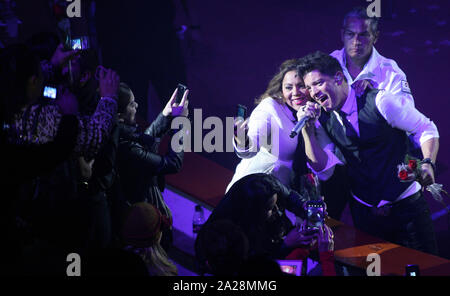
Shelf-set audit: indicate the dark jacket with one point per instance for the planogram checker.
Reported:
(141, 168)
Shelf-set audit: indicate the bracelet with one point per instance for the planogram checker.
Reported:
(429, 161)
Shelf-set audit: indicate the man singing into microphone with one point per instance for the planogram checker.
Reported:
(371, 132)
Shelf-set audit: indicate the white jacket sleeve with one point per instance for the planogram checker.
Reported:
(259, 133)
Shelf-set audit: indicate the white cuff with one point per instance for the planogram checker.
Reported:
(328, 170)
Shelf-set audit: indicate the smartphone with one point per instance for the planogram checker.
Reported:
(412, 270)
(180, 93)
(81, 43)
(241, 111)
(315, 215)
(50, 92)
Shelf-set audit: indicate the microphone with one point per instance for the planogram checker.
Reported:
(298, 126)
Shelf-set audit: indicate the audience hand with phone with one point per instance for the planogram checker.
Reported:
(301, 237)
(177, 109)
(325, 240)
(61, 57)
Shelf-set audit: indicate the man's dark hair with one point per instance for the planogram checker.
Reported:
(44, 44)
(89, 61)
(361, 13)
(320, 61)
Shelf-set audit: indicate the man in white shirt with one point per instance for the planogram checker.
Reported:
(360, 61)
(371, 132)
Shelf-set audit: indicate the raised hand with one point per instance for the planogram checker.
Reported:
(241, 132)
(174, 109)
(312, 110)
(109, 83)
(60, 57)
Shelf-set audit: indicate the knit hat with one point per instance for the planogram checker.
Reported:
(143, 224)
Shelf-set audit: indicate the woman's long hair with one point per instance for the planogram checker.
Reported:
(274, 89)
(141, 233)
(156, 259)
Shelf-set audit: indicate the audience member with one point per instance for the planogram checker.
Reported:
(51, 198)
(257, 204)
(37, 123)
(141, 167)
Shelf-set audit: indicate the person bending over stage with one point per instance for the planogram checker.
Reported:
(276, 112)
(257, 203)
(371, 132)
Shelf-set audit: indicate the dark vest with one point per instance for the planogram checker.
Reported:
(372, 158)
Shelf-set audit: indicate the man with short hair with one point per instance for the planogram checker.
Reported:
(371, 133)
(361, 62)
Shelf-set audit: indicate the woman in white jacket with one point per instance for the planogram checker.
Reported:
(267, 147)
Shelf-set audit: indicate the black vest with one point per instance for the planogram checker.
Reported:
(372, 158)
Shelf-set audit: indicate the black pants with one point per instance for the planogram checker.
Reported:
(408, 224)
(99, 221)
(337, 192)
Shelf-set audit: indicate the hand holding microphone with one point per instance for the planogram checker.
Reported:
(309, 111)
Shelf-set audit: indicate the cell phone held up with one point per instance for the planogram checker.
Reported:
(241, 111)
(181, 89)
(412, 270)
(81, 43)
(315, 215)
(50, 92)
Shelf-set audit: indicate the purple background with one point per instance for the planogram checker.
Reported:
(240, 45)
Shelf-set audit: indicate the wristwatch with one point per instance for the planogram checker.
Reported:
(428, 160)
